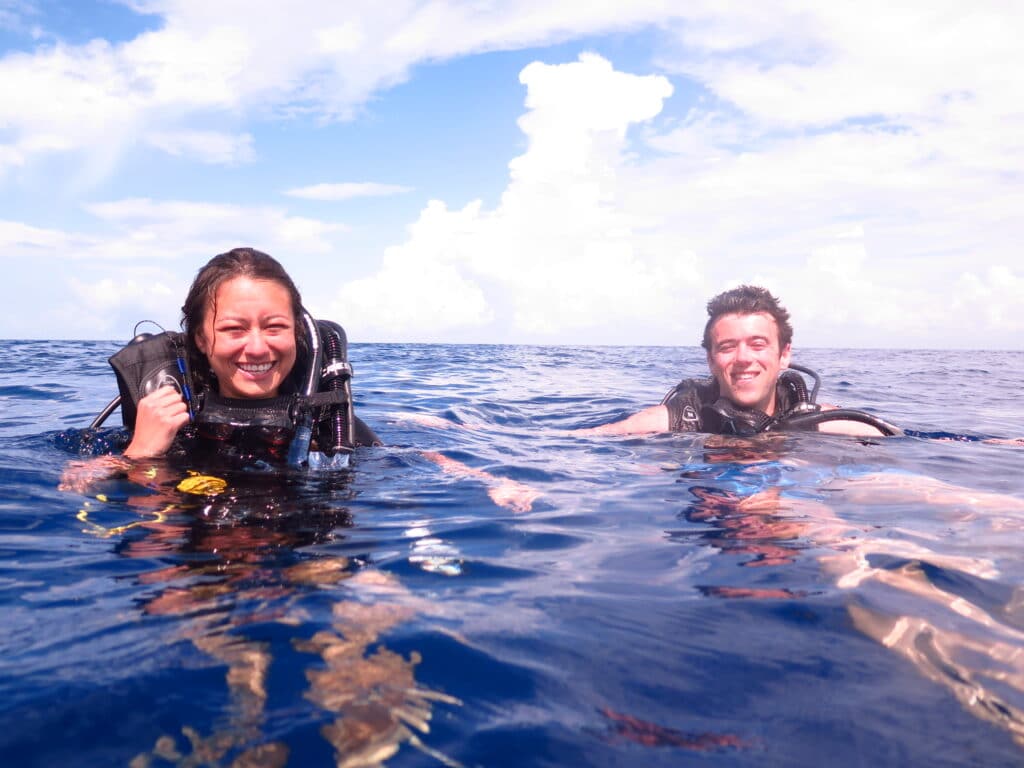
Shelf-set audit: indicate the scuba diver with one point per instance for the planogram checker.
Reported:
(753, 387)
(250, 372)
(252, 378)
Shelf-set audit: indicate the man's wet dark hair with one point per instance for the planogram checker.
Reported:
(238, 262)
(748, 300)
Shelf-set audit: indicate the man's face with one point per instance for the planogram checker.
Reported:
(745, 359)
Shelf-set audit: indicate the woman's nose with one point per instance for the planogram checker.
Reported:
(255, 344)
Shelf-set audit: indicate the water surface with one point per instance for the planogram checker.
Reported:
(666, 600)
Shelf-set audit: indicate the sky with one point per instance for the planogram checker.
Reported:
(525, 171)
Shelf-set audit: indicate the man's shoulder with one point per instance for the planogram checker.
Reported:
(684, 402)
(697, 387)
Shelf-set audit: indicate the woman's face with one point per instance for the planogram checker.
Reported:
(248, 336)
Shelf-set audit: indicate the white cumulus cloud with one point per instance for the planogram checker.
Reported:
(561, 253)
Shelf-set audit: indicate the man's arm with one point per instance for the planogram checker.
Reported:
(855, 428)
(653, 419)
(847, 427)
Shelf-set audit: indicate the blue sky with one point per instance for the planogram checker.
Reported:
(519, 172)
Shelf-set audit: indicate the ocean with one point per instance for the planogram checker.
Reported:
(795, 600)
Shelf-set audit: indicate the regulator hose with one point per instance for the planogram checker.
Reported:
(337, 434)
(298, 451)
(814, 418)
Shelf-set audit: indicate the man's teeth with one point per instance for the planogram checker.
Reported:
(255, 367)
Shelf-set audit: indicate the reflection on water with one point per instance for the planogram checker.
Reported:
(233, 548)
(975, 649)
(378, 704)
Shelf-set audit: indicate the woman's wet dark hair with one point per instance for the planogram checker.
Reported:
(238, 262)
(748, 300)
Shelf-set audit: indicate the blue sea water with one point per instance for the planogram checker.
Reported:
(666, 600)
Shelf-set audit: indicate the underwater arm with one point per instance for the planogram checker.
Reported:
(653, 419)
(1016, 441)
(160, 415)
(505, 492)
(82, 476)
(901, 488)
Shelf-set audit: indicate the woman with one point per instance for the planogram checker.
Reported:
(248, 351)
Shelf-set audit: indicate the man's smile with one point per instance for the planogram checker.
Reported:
(742, 376)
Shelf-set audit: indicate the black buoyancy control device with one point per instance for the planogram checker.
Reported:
(146, 363)
(802, 412)
(322, 409)
(724, 417)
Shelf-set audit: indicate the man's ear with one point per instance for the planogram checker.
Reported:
(785, 356)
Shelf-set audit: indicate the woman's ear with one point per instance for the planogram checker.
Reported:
(201, 343)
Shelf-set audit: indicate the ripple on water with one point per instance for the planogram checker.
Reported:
(664, 602)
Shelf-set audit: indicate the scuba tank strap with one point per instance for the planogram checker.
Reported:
(319, 399)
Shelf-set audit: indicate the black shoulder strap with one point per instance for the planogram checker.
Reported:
(685, 401)
(145, 364)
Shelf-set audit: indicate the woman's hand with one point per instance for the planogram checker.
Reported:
(160, 415)
(79, 476)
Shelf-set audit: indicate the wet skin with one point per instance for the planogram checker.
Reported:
(248, 336)
(745, 359)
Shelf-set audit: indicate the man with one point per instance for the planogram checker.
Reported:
(748, 341)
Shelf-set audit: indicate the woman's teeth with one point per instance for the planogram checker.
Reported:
(255, 367)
